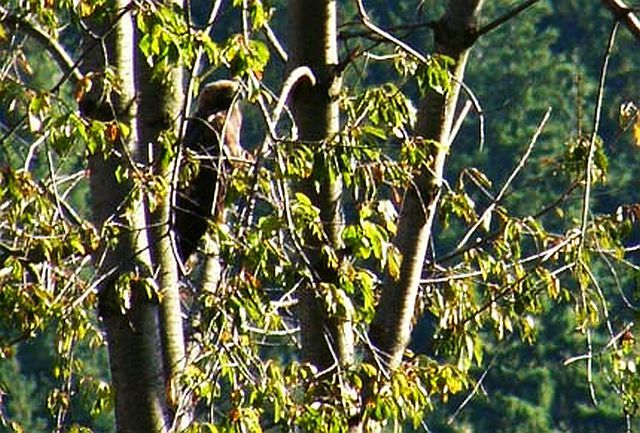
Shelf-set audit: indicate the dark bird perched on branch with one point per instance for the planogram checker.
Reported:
(217, 114)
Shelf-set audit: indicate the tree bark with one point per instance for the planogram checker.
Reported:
(390, 329)
(131, 322)
(627, 15)
(325, 340)
(160, 104)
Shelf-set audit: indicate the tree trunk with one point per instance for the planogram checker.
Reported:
(325, 340)
(160, 104)
(391, 327)
(127, 304)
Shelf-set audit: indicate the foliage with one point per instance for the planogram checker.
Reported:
(499, 262)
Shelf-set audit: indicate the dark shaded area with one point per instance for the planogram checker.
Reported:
(216, 112)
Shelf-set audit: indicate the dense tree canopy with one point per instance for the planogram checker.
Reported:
(434, 228)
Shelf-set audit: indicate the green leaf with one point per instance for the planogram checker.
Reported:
(394, 262)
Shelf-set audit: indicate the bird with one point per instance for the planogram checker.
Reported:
(217, 115)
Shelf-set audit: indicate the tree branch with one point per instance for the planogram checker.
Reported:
(594, 135)
(508, 182)
(66, 64)
(625, 14)
(364, 17)
(506, 17)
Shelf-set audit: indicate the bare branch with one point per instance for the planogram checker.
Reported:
(587, 195)
(625, 14)
(66, 64)
(508, 183)
(592, 143)
(345, 34)
(385, 35)
(273, 39)
(473, 392)
(479, 111)
(506, 17)
(459, 120)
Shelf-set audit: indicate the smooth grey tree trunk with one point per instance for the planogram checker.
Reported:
(326, 341)
(159, 108)
(132, 328)
(390, 329)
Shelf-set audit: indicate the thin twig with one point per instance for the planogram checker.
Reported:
(508, 183)
(614, 340)
(603, 303)
(60, 55)
(616, 279)
(344, 34)
(506, 17)
(273, 39)
(70, 74)
(476, 105)
(472, 393)
(458, 123)
(592, 389)
(626, 14)
(508, 289)
(594, 134)
(272, 122)
(587, 198)
(246, 25)
(386, 35)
